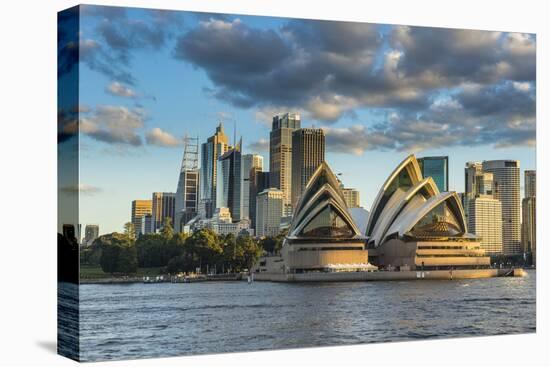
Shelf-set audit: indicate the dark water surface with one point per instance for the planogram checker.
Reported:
(153, 320)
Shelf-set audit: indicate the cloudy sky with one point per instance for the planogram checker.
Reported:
(380, 92)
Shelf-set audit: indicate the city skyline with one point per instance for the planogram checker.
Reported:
(136, 109)
(118, 226)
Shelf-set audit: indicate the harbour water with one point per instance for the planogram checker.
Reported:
(153, 320)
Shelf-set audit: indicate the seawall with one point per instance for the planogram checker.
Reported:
(388, 275)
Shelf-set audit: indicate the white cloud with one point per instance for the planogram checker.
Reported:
(161, 138)
(522, 86)
(119, 89)
(113, 124)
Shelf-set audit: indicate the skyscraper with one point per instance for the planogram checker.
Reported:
(476, 183)
(529, 227)
(308, 152)
(280, 155)
(164, 205)
(530, 183)
(215, 147)
(248, 161)
(91, 232)
(528, 215)
(187, 192)
(436, 168)
(146, 224)
(485, 221)
(259, 181)
(139, 209)
(507, 190)
(269, 207)
(351, 196)
(228, 182)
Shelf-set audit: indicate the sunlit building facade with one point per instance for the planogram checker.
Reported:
(280, 155)
(269, 209)
(308, 152)
(530, 184)
(352, 198)
(139, 209)
(528, 213)
(164, 206)
(506, 176)
(485, 221)
(215, 146)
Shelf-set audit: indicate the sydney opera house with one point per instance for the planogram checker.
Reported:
(411, 226)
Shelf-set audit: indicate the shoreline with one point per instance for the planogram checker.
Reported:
(332, 277)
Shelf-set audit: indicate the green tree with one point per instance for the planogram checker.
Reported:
(118, 253)
(127, 259)
(150, 250)
(249, 251)
(205, 245)
(167, 230)
(269, 244)
(130, 230)
(181, 263)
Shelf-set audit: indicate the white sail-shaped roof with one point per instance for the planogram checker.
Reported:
(405, 175)
(413, 214)
(322, 197)
(420, 192)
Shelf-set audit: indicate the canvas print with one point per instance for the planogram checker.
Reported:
(233, 183)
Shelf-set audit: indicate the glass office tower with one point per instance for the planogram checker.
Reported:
(438, 169)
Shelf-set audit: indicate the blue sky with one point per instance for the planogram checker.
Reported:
(380, 92)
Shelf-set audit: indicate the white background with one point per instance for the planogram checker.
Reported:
(28, 181)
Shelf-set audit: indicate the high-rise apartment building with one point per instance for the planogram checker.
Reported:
(485, 221)
(308, 152)
(351, 197)
(139, 209)
(91, 232)
(269, 206)
(530, 183)
(146, 224)
(215, 147)
(259, 181)
(438, 169)
(248, 162)
(187, 192)
(507, 189)
(529, 227)
(476, 183)
(164, 206)
(280, 155)
(228, 182)
(528, 215)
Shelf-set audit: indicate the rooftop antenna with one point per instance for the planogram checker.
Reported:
(234, 132)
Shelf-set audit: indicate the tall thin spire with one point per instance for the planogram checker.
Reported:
(234, 132)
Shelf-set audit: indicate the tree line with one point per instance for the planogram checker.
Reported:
(203, 251)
